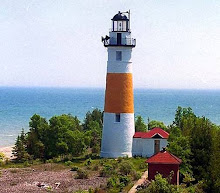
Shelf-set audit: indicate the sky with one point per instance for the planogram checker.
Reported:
(54, 43)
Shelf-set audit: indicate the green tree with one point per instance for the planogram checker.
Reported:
(93, 136)
(140, 124)
(95, 115)
(75, 142)
(214, 160)
(20, 149)
(36, 136)
(182, 113)
(201, 144)
(180, 146)
(152, 124)
(56, 135)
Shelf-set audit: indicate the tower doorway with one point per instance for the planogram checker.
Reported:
(118, 38)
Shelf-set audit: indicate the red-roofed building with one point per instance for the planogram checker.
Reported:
(164, 162)
(146, 144)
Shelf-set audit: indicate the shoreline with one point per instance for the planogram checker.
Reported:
(7, 151)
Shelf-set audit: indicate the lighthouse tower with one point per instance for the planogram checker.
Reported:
(118, 129)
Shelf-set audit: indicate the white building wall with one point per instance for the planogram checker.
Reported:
(137, 147)
(148, 146)
(117, 137)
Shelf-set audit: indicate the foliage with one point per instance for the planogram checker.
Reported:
(107, 170)
(214, 167)
(82, 174)
(196, 141)
(20, 148)
(135, 174)
(180, 146)
(140, 124)
(74, 168)
(159, 185)
(2, 156)
(152, 124)
(124, 180)
(143, 165)
(68, 163)
(126, 167)
(95, 115)
(62, 136)
(201, 144)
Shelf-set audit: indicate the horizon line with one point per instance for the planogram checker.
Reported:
(137, 88)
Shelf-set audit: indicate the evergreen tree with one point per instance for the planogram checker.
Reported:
(215, 161)
(20, 148)
(95, 115)
(140, 124)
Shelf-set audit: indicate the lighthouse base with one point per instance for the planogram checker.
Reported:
(115, 154)
(117, 137)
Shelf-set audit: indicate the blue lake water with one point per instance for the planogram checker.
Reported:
(17, 105)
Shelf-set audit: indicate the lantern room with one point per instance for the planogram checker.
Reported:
(120, 22)
(120, 33)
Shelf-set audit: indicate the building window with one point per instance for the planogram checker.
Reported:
(117, 117)
(118, 55)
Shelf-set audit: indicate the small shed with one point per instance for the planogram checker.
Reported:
(164, 162)
(146, 144)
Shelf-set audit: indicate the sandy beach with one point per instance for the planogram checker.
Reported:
(7, 151)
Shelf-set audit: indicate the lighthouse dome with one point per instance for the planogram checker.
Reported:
(119, 17)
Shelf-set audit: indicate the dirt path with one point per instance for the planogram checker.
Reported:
(139, 182)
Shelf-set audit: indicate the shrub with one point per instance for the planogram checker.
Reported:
(57, 159)
(143, 165)
(107, 170)
(68, 163)
(74, 168)
(2, 156)
(135, 175)
(95, 167)
(125, 167)
(112, 182)
(88, 162)
(120, 159)
(96, 149)
(1, 163)
(49, 161)
(81, 174)
(124, 180)
(26, 164)
(81, 191)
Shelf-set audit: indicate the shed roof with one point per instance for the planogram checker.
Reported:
(152, 133)
(164, 157)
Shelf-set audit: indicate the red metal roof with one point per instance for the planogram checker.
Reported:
(152, 133)
(164, 157)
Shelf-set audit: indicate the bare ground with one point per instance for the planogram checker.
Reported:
(29, 179)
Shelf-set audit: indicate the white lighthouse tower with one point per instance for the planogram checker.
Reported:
(118, 129)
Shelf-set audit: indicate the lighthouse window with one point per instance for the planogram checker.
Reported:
(118, 55)
(117, 117)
